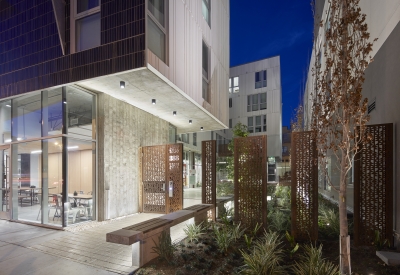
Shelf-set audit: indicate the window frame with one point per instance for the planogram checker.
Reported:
(75, 16)
(230, 102)
(262, 79)
(232, 88)
(253, 107)
(262, 126)
(164, 29)
(206, 79)
(207, 3)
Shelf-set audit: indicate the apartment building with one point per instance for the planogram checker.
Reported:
(85, 84)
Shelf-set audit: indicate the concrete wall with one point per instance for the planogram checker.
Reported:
(122, 129)
(186, 31)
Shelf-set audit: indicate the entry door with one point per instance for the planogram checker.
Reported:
(5, 188)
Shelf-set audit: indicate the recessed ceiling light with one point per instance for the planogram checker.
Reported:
(174, 113)
(190, 121)
(8, 105)
(201, 128)
(153, 101)
(122, 84)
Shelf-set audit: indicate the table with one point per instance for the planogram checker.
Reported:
(31, 191)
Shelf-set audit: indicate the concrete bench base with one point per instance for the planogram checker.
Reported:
(390, 258)
(144, 236)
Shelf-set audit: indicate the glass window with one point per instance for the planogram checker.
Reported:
(255, 102)
(195, 139)
(157, 7)
(234, 83)
(261, 79)
(205, 60)
(263, 101)
(250, 124)
(81, 180)
(88, 32)
(172, 134)
(84, 5)
(5, 121)
(156, 39)
(80, 114)
(26, 117)
(206, 8)
(258, 124)
(230, 103)
(230, 123)
(264, 123)
(205, 90)
(52, 112)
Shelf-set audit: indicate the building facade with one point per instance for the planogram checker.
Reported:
(381, 85)
(85, 84)
(255, 100)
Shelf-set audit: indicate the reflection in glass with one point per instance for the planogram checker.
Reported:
(26, 117)
(80, 113)
(156, 7)
(88, 32)
(156, 39)
(84, 5)
(5, 121)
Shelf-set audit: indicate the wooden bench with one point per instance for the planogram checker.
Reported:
(143, 236)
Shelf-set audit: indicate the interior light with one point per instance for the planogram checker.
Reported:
(36, 152)
(8, 105)
(201, 128)
(72, 147)
(56, 143)
(7, 140)
(19, 138)
(190, 121)
(122, 84)
(64, 100)
(174, 113)
(153, 101)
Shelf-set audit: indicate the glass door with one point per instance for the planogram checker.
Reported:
(5, 195)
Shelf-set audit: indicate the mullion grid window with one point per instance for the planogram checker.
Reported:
(87, 24)
(206, 9)
(256, 102)
(157, 33)
(257, 124)
(261, 79)
(206, 69)
(234, 84)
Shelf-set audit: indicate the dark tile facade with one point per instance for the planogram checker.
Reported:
(30, 52)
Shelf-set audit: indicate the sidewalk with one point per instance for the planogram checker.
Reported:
(26, 249)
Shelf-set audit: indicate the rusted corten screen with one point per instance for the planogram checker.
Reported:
(373, 186)
(208, 164)
(153, 177)
(304, 187)
(175, 173)
(250, 172)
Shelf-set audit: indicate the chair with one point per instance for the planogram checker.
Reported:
(56, 204)
(73, 212)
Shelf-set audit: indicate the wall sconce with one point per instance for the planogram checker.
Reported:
(122, 84)
(174, 113)
(153, 101)
(190, 121)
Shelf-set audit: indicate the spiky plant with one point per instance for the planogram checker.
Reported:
(312, 263)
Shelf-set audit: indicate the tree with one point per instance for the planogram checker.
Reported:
(339, 111)
(239, 130)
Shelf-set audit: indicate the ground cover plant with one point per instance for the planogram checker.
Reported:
(225, 247)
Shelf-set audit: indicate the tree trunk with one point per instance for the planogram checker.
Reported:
(344, 228)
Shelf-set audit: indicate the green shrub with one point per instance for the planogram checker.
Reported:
(266, 256)
(328, 221)
(223, 237)
(278, 221)
(193, 231)
(312, 263)
(165, 248)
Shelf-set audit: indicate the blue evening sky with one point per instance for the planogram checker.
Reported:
(265, 28)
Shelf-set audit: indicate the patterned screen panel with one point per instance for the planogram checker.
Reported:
(208, 164)
(373, 186)
(153, 178)
(250, 162)
(304, 193)
(175, 173)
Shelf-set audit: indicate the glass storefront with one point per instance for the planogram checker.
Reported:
(48, 157)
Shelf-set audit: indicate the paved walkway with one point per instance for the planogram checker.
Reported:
(32, 250)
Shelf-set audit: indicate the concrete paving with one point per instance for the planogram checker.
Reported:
(26, 249)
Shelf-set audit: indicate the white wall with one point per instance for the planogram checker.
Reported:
(238, 112)
(187, 28)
